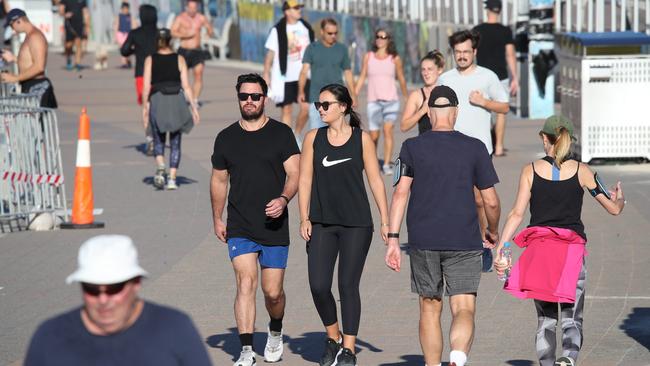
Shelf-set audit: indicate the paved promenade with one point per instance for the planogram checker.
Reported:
(190, 269)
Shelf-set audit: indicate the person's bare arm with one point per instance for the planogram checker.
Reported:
(393, 257)
(493, 213)
(375, 181)
(302, 81)
(613, 205)
(412, 111)
(146, 89)
(62, 10)
(208, 26)
(511, 59)
(477, 98)
(305, 179)
(86, 18)
(276, 206)
(218, 191)
(268, 62)
(399, 71)
(362, 75)
(187, 89)
(349, 81)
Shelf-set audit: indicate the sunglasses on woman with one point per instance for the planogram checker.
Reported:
(325, 105)
(95, 290)
(382, 36)
(254, 96)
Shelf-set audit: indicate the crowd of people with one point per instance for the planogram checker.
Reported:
(451, 206)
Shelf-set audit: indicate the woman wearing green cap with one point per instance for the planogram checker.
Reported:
(551, 270)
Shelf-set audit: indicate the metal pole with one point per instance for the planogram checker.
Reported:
(600, 15)
(635, 25)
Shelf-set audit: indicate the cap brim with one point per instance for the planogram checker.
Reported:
(97, 278)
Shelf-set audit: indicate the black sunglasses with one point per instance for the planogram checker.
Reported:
(325, 105)
(95, 290)
(381, 37)
(254, 96)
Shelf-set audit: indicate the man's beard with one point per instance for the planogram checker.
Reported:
(251, 116)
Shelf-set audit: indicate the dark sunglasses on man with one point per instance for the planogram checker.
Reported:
(96, 290)
(254, 96)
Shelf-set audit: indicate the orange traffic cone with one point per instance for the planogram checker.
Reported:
(82, 204)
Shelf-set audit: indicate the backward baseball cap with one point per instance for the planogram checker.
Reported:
(554, 122)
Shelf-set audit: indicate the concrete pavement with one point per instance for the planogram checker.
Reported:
(190, 268)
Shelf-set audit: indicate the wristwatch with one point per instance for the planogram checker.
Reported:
(393, 235)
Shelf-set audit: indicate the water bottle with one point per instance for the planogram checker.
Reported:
(506, 258)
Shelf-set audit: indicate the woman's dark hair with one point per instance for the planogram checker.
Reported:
(464, 35)
(125, 5)
(164, 38)
(391, 44)
(252, 79)
(436, 56)
(342, 96)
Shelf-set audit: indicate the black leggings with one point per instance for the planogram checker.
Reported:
(327, 241)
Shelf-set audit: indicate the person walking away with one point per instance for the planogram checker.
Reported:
(166, 94)
(480, 94)
(262, 181)
(326, 60)
(101, 12)
(552, 269)
(32, 60)
(440, 169)
(416, 110)
(286, 45)
(381, 66)
(123, 24)
(187, 27)
(496, 52)
(142, 42)
(335, 217)
(114, 326)
(76, 18)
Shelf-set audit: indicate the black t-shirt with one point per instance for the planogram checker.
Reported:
(76, 8)
(491, 51)
(442, 210)
(254, 160)
(161, 336)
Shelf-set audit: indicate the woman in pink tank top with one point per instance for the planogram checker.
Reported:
(381, 66)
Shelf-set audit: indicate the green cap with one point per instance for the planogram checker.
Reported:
(554, 122)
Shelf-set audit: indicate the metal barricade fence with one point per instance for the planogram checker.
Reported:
(31, 171)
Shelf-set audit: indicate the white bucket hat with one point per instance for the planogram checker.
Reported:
(107, 259)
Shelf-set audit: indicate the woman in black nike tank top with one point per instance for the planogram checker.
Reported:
(416, 108)
(335, 215)
(554, 187)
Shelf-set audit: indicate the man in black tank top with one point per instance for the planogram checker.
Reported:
(260, 157)
(443, 229)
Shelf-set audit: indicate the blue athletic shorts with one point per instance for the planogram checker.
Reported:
(268, 256)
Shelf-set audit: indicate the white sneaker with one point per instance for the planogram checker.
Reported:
(246, 357)
(274, 346)
(171, 184)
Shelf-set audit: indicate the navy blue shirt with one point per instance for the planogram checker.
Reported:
(161, 336)
(442, 211)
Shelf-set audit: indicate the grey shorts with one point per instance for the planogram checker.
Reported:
(460, 271)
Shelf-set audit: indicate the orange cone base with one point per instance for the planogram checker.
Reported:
(92, 225)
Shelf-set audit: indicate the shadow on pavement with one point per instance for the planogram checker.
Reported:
(520, 363)
(309, 345)
(408, 360)
(180, 180)
(141, 148)
(637, 326)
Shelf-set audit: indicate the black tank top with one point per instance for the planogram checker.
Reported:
(424, 124)
(164, 69)
(338, 194)
(557, 203)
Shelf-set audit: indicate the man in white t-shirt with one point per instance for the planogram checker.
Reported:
(286, 46)
(480, 94)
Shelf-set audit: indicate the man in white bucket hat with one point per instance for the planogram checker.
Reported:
(114, 326)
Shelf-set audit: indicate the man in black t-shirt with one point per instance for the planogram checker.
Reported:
(444, 235)
(77, 25)
(496, 52)
(260, 158)
(115, 326)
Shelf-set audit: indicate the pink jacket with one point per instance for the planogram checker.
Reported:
(549, 267)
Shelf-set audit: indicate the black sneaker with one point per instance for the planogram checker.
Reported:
(346, 358)
(332, 349)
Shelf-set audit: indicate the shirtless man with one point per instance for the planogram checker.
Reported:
(187, 27)
(31, 60)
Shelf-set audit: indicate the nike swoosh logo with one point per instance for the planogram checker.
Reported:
(328, 164)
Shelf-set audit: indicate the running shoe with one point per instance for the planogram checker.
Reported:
(78, 67)
(69, 66)
(346, 358)
(332, 350)
(246, 357)
(159, 178)
(565, 361)
(171, 184)
(274, 346)
(149, 149)
(386, 169)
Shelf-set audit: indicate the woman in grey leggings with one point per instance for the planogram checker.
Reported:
(552, 269)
